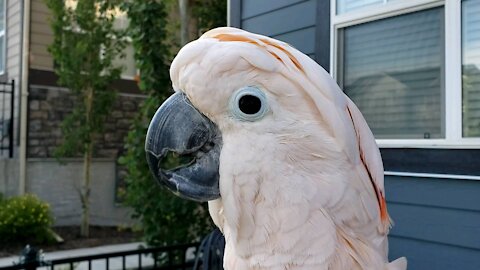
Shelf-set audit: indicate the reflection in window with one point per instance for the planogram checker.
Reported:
(393, 70)
(346, 6)
(471, 67)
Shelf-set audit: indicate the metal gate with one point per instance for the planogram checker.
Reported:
(7, 98)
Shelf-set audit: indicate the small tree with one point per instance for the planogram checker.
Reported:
(166, 219)
(84, 47)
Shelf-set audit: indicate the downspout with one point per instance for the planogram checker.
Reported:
(24, 96)
(229, 7)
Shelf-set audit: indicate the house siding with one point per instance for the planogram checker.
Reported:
(41, 36)
(14, 39)
(268, 18)
(436, 220)
(13, 54)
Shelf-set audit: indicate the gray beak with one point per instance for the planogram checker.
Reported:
(183, 150)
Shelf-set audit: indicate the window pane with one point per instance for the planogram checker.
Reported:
(2, 15)
(471, 67)
(393, 70)
(2, 55)
(344, 6)
(2, 36)
(127, 63)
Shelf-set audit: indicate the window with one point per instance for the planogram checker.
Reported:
(120, 23)
(128, 62)
(471, 67)
(412, 67)
(3, 9)
(393, 70)
(345, 6)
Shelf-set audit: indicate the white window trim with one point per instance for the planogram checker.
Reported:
(3, 33)
(453, 63)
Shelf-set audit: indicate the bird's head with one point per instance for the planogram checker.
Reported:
(241, 98)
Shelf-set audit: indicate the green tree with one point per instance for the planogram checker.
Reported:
(166, 219)
(210, 14)
(84, 47)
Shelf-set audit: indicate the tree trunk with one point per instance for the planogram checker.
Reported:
(184, 21)
(87, 161)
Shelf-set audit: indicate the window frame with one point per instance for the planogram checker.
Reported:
(124, 21)
(452, 57)
(3, 32)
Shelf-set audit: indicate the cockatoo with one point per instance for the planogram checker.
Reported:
(291, 171)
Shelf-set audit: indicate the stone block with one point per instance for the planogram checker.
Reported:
(34, 142)
(38, 115)
(116, 114)
(128, 105)
(37, 151)
(35, 125)
(45, 105)
(34, 104)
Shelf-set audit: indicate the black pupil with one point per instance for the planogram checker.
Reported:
(249, 104)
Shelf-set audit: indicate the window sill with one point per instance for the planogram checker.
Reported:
(466, 143)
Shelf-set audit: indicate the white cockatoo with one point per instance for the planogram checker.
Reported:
(291, 171)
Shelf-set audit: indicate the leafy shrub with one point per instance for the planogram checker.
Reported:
(25, 219)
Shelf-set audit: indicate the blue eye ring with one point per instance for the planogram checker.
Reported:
(248, 104)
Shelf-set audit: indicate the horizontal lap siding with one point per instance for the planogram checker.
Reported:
(290, 21)
(13, 53)
(437, 222)
(13, 39)
(424, 255)
(41, 36)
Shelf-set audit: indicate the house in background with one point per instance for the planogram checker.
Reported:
(412, 67)
(39, 106)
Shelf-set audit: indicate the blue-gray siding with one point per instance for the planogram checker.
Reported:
(437, 222)
(289, 21)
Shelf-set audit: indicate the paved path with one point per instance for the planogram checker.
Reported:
(114, 263)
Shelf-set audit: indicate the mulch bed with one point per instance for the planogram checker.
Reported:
(99, 236)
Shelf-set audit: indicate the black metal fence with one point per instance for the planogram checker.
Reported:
(7, 102)
(162, 258)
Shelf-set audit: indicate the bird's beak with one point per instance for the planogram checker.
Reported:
(183, 150)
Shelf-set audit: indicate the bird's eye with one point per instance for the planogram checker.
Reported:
(248, 104)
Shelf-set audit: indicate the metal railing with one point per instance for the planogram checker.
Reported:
(7, 103)
(162, 258)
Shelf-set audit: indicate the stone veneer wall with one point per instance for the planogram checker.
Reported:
(48, 106)
(58, 184)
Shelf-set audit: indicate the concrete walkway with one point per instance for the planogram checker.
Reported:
(114, 263)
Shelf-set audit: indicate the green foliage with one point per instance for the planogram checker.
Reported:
(210, 14)
(25, 219)
(166, 219)
(84, 47)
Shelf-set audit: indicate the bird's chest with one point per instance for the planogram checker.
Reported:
(270, 222)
